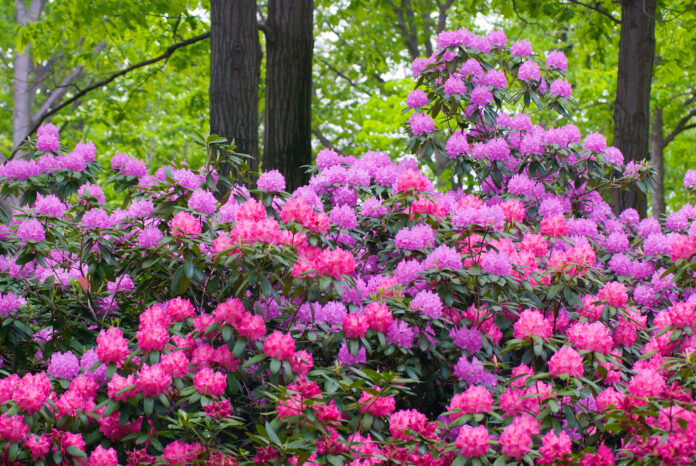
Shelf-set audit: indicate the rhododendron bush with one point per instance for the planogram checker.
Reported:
(366, 318)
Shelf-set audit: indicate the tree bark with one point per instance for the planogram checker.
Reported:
(235, 62)
(287, 136)
(632, 105)
(23, 91)
(657, 144)
(23, 99)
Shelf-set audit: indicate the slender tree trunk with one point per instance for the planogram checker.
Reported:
(632, 106)
(235, 61)
(657, 145)
(23, 91)
(23, 99)
(287, 136)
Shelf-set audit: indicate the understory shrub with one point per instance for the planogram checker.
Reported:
(366, 318)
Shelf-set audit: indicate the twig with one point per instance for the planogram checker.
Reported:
(596, 8)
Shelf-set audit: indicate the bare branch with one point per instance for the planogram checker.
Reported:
(57, 93)
(645, 12)
(341, 75)
(175, 34)
(682, 126)
(267, 31)
(165, 55)
(595, 7)
(322, 139)
(42, 71)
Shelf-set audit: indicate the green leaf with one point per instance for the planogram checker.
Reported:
(148, 405)
(13, 451)
(110, 370)
(254, 360)
(188, 269)
(239, 346)
(76, 452)
(227, 333)
(180, 282)
(272, 433)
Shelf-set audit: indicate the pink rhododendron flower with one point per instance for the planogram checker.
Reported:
(183, 224)
(532, 323)
(472, 441)
(279, 345)
(476, 399)
(516, 438)
(301, 362)
(590, 337)
(421, 123)
(379, 317)
(614, 293)
(417, 98)
(566, 361)
(103, 457)
(209, 382)
(403, 421)
(178, 309)
(555, 447)
(152, 380)
(47, 138)
(112, 347)
(375, 404)
(355, 325)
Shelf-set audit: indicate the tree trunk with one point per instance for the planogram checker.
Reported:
(23, 99)
(235, 61)
(23, 91)
(287, 136)
(632, 105)
(657, 145)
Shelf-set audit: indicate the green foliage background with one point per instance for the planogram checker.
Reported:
(361, 68)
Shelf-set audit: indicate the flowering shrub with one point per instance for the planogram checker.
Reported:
(365, 318)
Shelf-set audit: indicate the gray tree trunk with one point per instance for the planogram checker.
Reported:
(235, 61)
(657, 145)
(288, 130)
(23, 91)
(632, 105)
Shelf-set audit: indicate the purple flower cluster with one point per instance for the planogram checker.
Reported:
(419, 237)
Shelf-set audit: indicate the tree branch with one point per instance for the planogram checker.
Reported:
(341, 75)
(681, 127)
(267, 31)
(60, 90)
(42, 71)
(57, 93)
(406, 27)
(442, 8)
(322, 139)
(596, 8)
(165, 55)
